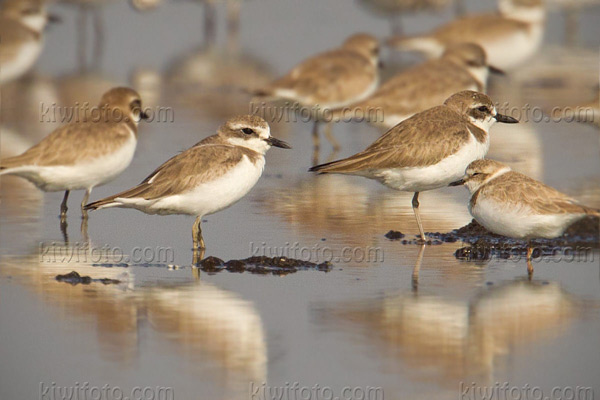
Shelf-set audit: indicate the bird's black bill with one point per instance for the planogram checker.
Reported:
(144, 115)
(457, 183)
(496, 71)
(278, 143)
(505, 119)
(54, 19)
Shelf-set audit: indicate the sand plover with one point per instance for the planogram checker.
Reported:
(331, 80)
(429, 150)
(21, 28)
(509, 37)
(84, 154)
(512, 204)
(208, 177)
(462, 67)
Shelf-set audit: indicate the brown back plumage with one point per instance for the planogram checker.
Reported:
(424, 139)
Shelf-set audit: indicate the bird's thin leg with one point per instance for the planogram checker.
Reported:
(417, 268)
(99, 35)
(84, 230)
(197, 234)
(209, 22)
(82, 36)
(63, 207)
(199, 248)
(415, 206)
(86, 197)
(316, 142)
(330, 137)
(529, 264)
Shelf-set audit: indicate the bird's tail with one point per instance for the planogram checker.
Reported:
(103, 203)
(592, 211)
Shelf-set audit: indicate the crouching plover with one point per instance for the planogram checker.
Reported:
(22, 23)
(512, 204)
(90, 151)
(331, 80)
(206, 178)
(429, 150)
(509, 37)
(462, 67)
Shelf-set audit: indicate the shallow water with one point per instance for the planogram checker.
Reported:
(386, 316)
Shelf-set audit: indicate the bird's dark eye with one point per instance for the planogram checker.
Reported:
(483, 109)
(135, 104)
(476, 173)
(248, 131)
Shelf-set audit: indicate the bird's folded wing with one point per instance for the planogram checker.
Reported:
(72, 143)
(197, 165)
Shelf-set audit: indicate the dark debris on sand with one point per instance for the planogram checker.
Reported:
(261, 265)
(74, 278)
(483, 244)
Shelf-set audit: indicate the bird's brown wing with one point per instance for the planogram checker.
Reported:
(515, 190)
(72, 143)
(424, 139)
(199, 164)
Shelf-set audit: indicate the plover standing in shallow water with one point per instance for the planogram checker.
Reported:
(509, 37)
(511, 204)
(462, 67)
(331, 80)
(85, 153)
(429, 150)
(209, 177)
(22, 23)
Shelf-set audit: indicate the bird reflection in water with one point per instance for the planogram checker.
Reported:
(446, 340)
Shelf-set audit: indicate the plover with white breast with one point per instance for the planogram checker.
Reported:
(93, 149)
(509, 37)
(511, 204)
(207, 178)
(22, 23)
(462, 67)
(429, 150)
(331, 80)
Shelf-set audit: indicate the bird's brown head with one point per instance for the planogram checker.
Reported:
(480, 172)
(122, 104)
(364, 44)
(478, 108)
(250, 131)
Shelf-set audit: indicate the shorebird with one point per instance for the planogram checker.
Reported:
(462, 67)
(208, 177)
(22, 23)
(429, 150)
(509, 37)
(511, 204)
(330, 80)
(91, 150)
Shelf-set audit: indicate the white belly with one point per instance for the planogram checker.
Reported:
(19, 65)
(520, 222)
(510, 51)
(207, 198)
(450, 169)
(84, 175)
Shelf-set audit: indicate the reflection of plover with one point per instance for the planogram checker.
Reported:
(512, 204)
(21, 28)
(82, 155)
(429, 150)
(462, 67)
(209, 177)
(509, 38)
(331, 80)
